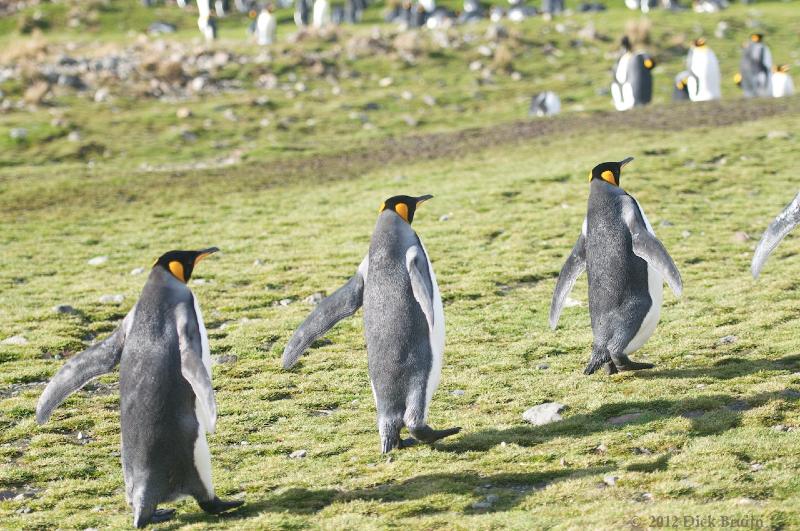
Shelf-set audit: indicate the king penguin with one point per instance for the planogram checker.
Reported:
(777, 230)
(755, 68)
(704, 83)
(166, 400)
(625, 263)
(680, 90)
(632, 82)
(782, 84)
(403, 324)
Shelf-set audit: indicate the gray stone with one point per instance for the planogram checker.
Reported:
(18, 133)
(314, 298)
(727, 340)
(98, 260)
(543, 366)
(111, 299)
(15, 340)
(64, 308)
(225, 359)
(624, 419)
(544, 413)
(457, 392)
(137, 271)
(298, 454)
(610, 480)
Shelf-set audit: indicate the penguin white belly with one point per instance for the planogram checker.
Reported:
(436, 338)
(705, 84)
(656, 289)
(782, 85)
(322, 15)
(202, 456)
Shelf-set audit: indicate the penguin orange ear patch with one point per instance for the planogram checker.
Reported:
(648, 63)
(608, 176)
(176, 268)
(382, 208)
(402, 209)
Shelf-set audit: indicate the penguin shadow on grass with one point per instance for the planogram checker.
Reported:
(510, 489)
(727, 368)
(708, 414)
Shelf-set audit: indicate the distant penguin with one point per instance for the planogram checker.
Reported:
(545, 104)
(166, 399)
(322, 13)
(266, 24)
(302, 13)
(625, 263)
(220, 7)
(205, 23)
(552, 7)
(680, 90)
(782, 84)
(643, 5)
(704, 83)
(777, 230)
(755, 68)
(403, 324)
(472, 12)
(428, 5)
(632, 82)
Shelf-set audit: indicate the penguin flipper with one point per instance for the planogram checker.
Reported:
(95, 361)
(344, 302)
(421, 283)
(777, 230)
(572, 269)
(192, 366)
(647, 247)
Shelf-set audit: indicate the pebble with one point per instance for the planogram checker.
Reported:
(74, 136)
(225, 359)
(98, 260)
(137, 271)
(755, 467)
(624, 419)
(111, 299)
(385, 82)
(457, 392)
(410, 120)
(183, 113)
(610, 480)
(298, 454)
(727, 340)
(406, 95)
(15, 340)
(740, 237)
(285, 302)
(258, 262)
(600, 449)
(428, 100)
(542, 414)
(571, 303)
(543, 366)
(444, 217)
(686, 234)
(18, 133)
(101, 95)
(780, 427)
(314, 298)
(774, 135)
(64, 308)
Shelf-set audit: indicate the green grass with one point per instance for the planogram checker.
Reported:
(514, 211)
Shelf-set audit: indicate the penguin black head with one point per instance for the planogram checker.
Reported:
(182, 263)
(404, 205)
(626, 43)
(609, 172)
(757, 37)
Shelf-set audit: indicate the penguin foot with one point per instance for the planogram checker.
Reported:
(161, 515)
(217, 506)
(631, 365)
(407, 443)
(611, 368)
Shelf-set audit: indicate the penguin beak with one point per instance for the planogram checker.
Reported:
(421, 199)
(623, 162)
(205, 252)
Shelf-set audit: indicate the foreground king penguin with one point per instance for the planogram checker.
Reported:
(777, 230)
(403, 324)
(166, 400)
(625, 263)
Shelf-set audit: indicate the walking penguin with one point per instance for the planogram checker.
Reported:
(403, 324)
(625, 263)
(166, 399)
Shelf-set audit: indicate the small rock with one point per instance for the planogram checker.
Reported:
(15, 340)
(600, 449)
(183, 113)
(64, 308)
(624, 419)
(7, 495)
(284, 302)
(198, 281)
(457, 392)
(82, 436)
(98, 260)
(101, 95)
(111, 299)
(18, 133)
(385, 82)
(137, 271)
(780, 427)
(544, 413)
(643, 497)
(543, 366)
(74, 136)
(315, 298)
(745, 501)
(24, 510)
(740, 237)
(774, 135)
(727, 340)
(641, 450)
(665, 223)
(610, 480)
(492, 498)
(410, 120)
(258, 262)
(406, 95)
(428, 100)
(572, 303)
(444, 217)
(755, 467)
(225, 359)
(298, 454)
(686, 234)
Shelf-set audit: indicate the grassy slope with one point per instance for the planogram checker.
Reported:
(513, 216)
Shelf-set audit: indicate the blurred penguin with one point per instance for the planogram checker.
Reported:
(680, 90)
(302, 13)
(266, 23)
(220, 6)
(643, 5)
(704, 83)
(322, 13)
(755, 68)
(782, 84)
(632, 83)
(552, 7)
(518, 11)
(472, 12)
(207, 25)
(545, 104)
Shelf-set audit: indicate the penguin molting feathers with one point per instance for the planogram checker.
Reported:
(777, 230)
